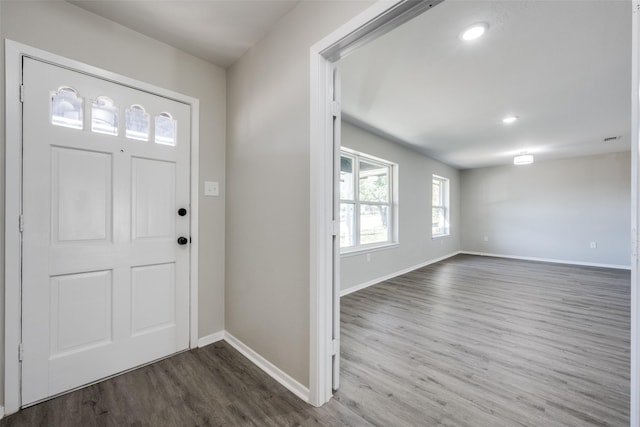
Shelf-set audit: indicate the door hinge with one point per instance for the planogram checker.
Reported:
(335, 347)
(335, 228)
(21, 93)
(335, 108)
(634, 244)
(21, 223)
(20, 352)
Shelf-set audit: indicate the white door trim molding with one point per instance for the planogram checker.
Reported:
(380, 18)
(13, 192)
(635, 220)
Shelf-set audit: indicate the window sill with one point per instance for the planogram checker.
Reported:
(440, 236)
(369, 249)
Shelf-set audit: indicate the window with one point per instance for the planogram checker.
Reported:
(104, 116)
(165, 129)
(137, 123)
(439, 206)
(366, 201)
(66, 108)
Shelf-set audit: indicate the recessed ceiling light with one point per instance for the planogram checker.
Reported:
(475, 31)
(509, 119)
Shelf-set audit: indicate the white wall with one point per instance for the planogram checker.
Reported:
(268, 175)
(415, 243)
(67, 30)
(551, 210)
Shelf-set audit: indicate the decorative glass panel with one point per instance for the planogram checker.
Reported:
(104, 116)
(66, 108)
(165, 129)
(374, 182)
(137, 121)
(374, 224)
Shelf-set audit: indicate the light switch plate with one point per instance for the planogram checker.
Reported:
(211, 188)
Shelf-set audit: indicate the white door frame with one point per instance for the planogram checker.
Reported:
(378, 19)
(635, 210)
(13, 200)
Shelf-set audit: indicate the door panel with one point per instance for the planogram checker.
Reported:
(86, 296)
(105, 285)
(81, 207)
(152, 298)
(153, 189)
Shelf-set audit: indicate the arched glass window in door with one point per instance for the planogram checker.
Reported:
(137, 123)
(104, 116)
(165, 129)
(66, 108)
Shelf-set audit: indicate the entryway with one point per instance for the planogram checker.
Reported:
(105, 228)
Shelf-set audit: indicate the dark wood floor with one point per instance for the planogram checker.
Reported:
(469, 341)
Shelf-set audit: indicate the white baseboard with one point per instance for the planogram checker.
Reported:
(395, 274)
(210, 339)
(273, 371)
(555, 261)
(1, 412)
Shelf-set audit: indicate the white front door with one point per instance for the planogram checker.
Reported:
(105, 200)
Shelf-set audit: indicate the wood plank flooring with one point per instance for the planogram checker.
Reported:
(476, 341)
(470, 341)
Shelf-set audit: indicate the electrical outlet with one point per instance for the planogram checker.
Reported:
(368, 257)
(593, 245)
(486, 238)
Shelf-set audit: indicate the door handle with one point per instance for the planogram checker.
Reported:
(182, 240)
(182, 211)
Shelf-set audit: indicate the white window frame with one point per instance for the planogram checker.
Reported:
(444, 205)
(392, 203)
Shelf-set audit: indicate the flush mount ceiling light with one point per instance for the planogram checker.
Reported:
(523, 159)
(509, 119)
(475, 31)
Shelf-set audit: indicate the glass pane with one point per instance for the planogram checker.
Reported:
(374, 224)
(165, 129)
(137, 122)
(346, 178)
(66, 108)
(438, 221)
(436, 193)
(373, 182)
(104, 116)
(347, 222)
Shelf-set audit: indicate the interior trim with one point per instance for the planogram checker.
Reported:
(272, 370)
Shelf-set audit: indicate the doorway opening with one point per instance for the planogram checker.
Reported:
(325, 55)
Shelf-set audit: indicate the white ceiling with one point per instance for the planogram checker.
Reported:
(563, 67)
(218, 31)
